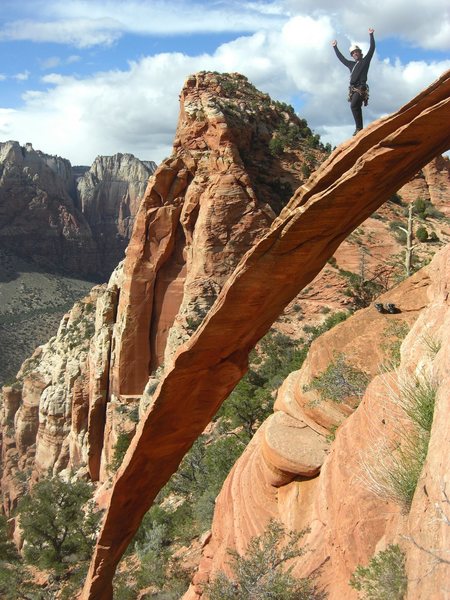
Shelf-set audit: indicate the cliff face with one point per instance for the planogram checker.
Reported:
(430, 183)
(297, 245)
(209, 233)
(109, 194)
(321, 482)
(204, 208)
(38, 218)
(61, 224)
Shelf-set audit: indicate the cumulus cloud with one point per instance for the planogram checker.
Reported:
(135, 109)
(426, 23)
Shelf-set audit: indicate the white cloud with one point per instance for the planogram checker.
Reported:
(81, 33)
(67, 23)
(50, 63)
(23, 76)
(135, 110)
(424, 23)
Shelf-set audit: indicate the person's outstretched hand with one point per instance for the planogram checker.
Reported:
(371, 30)
(334, 43)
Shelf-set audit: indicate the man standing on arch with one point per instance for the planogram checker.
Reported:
(358, 92)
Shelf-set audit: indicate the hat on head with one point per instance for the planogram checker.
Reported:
(353, 48)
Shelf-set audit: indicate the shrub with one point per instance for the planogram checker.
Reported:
(420, 207)
(422, 234)
(306, 170)
(276, 146)
(417, 398)
(119, 450)
(396, 199)
(425, 208)
(339, 381)
(393, 335)
(384, 578)
(261, 573)
(392, 472)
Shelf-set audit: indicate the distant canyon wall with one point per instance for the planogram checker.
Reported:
(61, 223)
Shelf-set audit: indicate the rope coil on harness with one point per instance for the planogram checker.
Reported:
(363, 91)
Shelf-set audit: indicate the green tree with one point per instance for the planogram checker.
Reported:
(384, 578)
(58, 523)
(262, 574)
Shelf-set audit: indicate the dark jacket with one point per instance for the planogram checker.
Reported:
(358, 69)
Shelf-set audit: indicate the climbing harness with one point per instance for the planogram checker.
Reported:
(363, 91)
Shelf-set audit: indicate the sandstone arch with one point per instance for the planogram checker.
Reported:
(351, 185)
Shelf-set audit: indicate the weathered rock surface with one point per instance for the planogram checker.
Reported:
(346, 520)
(204, 208)
(38, 218)
(195, 223)
(62, 224)
(430, 184)
(296, 247)
(109, 194)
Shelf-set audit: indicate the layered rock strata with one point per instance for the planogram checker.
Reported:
(108, 196)
(38, 217)
(347, 522)
(64, 223)
(206, 368)
(203, 209)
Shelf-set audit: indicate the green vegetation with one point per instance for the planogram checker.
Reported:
(59, 527)
(384, 578)
(289, 135)
(393, 335)
(340, 381)
(424, 209)
(393, 472)
(119, 450)
(398, 229)
(422, 234)
(251, 401)
(55, 524)
(261, 573)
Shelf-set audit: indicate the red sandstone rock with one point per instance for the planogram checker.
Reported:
(204, 208)
(293, 251)
(348, 522)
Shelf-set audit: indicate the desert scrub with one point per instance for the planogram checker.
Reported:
(384, 578)
(339, 381)
(261, 573)
(393, 336)
(391, 471)
(119, 450)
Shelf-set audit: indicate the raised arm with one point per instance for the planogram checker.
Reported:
(372, 43)
(341, 57)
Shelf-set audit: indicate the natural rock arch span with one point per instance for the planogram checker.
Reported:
(351, 185)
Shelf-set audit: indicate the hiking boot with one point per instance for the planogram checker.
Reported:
(392, 309)
(379, 307)
(357, 131)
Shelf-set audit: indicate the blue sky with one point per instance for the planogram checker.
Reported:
(81, 78)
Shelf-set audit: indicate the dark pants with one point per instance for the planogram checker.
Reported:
(356, 106)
